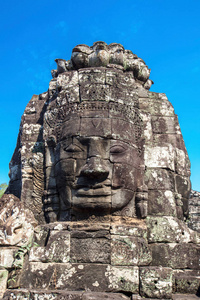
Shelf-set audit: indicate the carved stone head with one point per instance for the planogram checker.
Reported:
(98, 159)
(99, 144)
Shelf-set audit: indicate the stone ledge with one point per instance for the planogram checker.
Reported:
(64, 295)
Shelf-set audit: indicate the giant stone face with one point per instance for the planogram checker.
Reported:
(98, 164)
(98, 144)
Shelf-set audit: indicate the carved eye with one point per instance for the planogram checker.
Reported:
(117, 149)
(73, 148)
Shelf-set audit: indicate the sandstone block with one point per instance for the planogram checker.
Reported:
(184, 297)
(160, 157)
(168, 229)
(182, 162)
(61, 295)
(3, 281)
(40, 235)
(96, 277)
(117, 78)
(93, 75)
(161, 203)
(7, 256)
(176, 256)
(98, 127)
(156, 282)
(67, 79)
(107, 296)
(148, 133)
(183, 186)
(159, 179)
(127, 251)
(136, 229)
(186, 281)
(163, 139)
(52, 87)
(90, 250)
(156, 107)
(57, 248)
(17, 223)
(163, 124)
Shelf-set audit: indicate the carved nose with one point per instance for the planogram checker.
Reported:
(94, 168)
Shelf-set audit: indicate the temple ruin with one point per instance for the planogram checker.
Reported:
(98, 201)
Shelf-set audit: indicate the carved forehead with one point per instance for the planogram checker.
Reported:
(115, 128)
(98, 118)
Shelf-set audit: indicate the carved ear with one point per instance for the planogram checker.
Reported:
(51, 141)
(141, 201)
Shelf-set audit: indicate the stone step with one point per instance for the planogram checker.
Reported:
(27, 294)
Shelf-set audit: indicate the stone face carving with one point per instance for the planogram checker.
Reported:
(102, 160)
(98, 158)
(98, 133)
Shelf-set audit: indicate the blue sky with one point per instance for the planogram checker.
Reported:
(165, 34)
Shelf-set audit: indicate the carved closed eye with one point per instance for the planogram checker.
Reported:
(73, 148)
(117, 149)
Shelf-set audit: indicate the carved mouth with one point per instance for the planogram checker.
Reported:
(91, 192)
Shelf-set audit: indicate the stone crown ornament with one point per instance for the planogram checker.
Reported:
(103, 55)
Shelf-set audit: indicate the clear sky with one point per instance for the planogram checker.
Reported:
(165, 34)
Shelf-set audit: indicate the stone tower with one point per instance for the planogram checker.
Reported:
(101, 164)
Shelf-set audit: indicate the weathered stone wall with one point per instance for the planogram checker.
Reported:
(153, 259)
(194, 211)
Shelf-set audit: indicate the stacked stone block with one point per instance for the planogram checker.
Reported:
(118, 257)
(194, 211)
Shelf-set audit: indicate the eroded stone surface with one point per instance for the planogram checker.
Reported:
(126, 250)
(96, 277)
(186, 281)
(194, 211)
(64, 295)
(156, 282)
(16, 223)
(175, 255)
(168, 229)
(3, 281)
